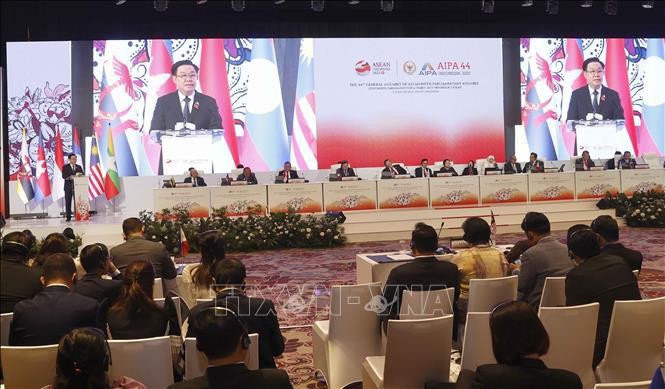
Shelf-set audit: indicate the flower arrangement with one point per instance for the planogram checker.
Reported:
(643, 209)
(253, 232)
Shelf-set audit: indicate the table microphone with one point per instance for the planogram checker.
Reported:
(442, 250)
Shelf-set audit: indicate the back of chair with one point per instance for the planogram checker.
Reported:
(5, 322)
(158, 289)
(28, 367)
(176, 303)
(145, 360)
(554, 292)
(426, 304)
(418, 351)
(486, 293)
(634, 342)
(196, 362)
(625, 385)
(477, 346)
(572, 332)
(354, 329)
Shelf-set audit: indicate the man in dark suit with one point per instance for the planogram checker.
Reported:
(512, 166)
(344, 170)
(17, 281)
(594, 98)
(425, 272)
(470, 169)
(598, 278)
(607, 229)
(97, 263)
(54, 311)
(423, 170)
(534, 165)
(390, 170)
(69, 171)
(248, 176)
(627, 162)
(194, 178)
(283, 176)
(137, 247)
(614, 162)
(585, 163)
(224, 340)
(257, 314)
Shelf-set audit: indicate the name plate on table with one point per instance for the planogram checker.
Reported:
(597, 168)
(492, 172)
(350, 178)
(296, 181)
(444, 174)
(183, 184)
(402, 176)
(642, 166)
(238, 182)
(551, 170)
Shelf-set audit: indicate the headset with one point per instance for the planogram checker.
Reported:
(223, 311)
(99, 333)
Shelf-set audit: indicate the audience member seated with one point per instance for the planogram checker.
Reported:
(585, 163)
(613, 163)
(224, 340)
(344, 170)
(283, 176)
(470, 169)
(448, 167)
(390, 170)
(97, 263)
(194, 178)
(423, 170)
(425, 272)
(627, 162)
(490, 162)
(135, 315)
(518, 248)
(519, 339)
(607, 229)
(71, 237)
(248, 176)
(17, 280)
(54, 311)
(479, 261)
(83, 362)
(598, 278)
(547, 258)
(257, 314)
(197, 278)
(55, 243)
(534, 165)
(136, 247)
(512, 166)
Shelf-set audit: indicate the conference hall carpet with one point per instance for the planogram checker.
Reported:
(298, 281)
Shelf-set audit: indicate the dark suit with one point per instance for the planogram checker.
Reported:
(627, 163)
(603, 279)
(387, 173)
(168, 111)
(632, 257)
(148, 323)
(448, 170)
(199, 180)
(611, 165)
(292, 174)
(51, 314)
(237, 376)
(537, 166)
(67, 172)
(251, 180)
(258, 315)
(17, 282)
(526, 374)
(465, 172)
(579, 164)
(98, 288)
(138, 248)
(425, 273)
(419, 172)
(609, 104)
(509, 169)
(348, 173)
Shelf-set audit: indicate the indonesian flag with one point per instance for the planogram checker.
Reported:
(184, 243)
(57, 182)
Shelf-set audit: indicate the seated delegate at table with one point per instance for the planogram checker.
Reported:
(344, 170)
(248, 176)
(390, 170)
(627, 162)
(287, 174)
(512, 166)
(613, 163)
(194, 178)
(470, 169)
(448, 167)
(423, 170)
(534, 165)
(584, 163)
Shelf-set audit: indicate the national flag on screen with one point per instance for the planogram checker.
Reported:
(57, 182)
(303, 140)
(492, 223)
(184, 243)
(616, 76)
(43, 184)
(111, 180)
(24, 187)
(95, 177)
(160, 66)
(76, 145)
(534, 118)
(653, 109)
(573, 79)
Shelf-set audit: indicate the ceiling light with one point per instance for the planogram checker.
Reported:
(238, 5)
(387, 5)
(586, 3)
(527, 3)
(487, 6)
(552, 7)
(647, 4)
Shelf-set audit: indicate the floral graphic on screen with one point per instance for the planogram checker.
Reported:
(553, 192)
(644, 186)
(455, 197)
(505, 195)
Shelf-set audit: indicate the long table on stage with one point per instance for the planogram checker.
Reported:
(434, 192)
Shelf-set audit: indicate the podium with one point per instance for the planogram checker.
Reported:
(598, 137)
(81, 201)
(184, 149)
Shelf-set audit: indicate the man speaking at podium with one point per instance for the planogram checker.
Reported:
(600, 101)
(186, 105)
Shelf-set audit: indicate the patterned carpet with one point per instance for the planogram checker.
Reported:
(298, 281)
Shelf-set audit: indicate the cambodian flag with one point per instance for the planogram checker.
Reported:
(653, 110)
(43, 184)
(535, 121)
(303, 141)
(76, 145)
(24, 188)
(573, 79)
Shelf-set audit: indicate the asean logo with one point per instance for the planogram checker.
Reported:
(409, 67)
(363, 67)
